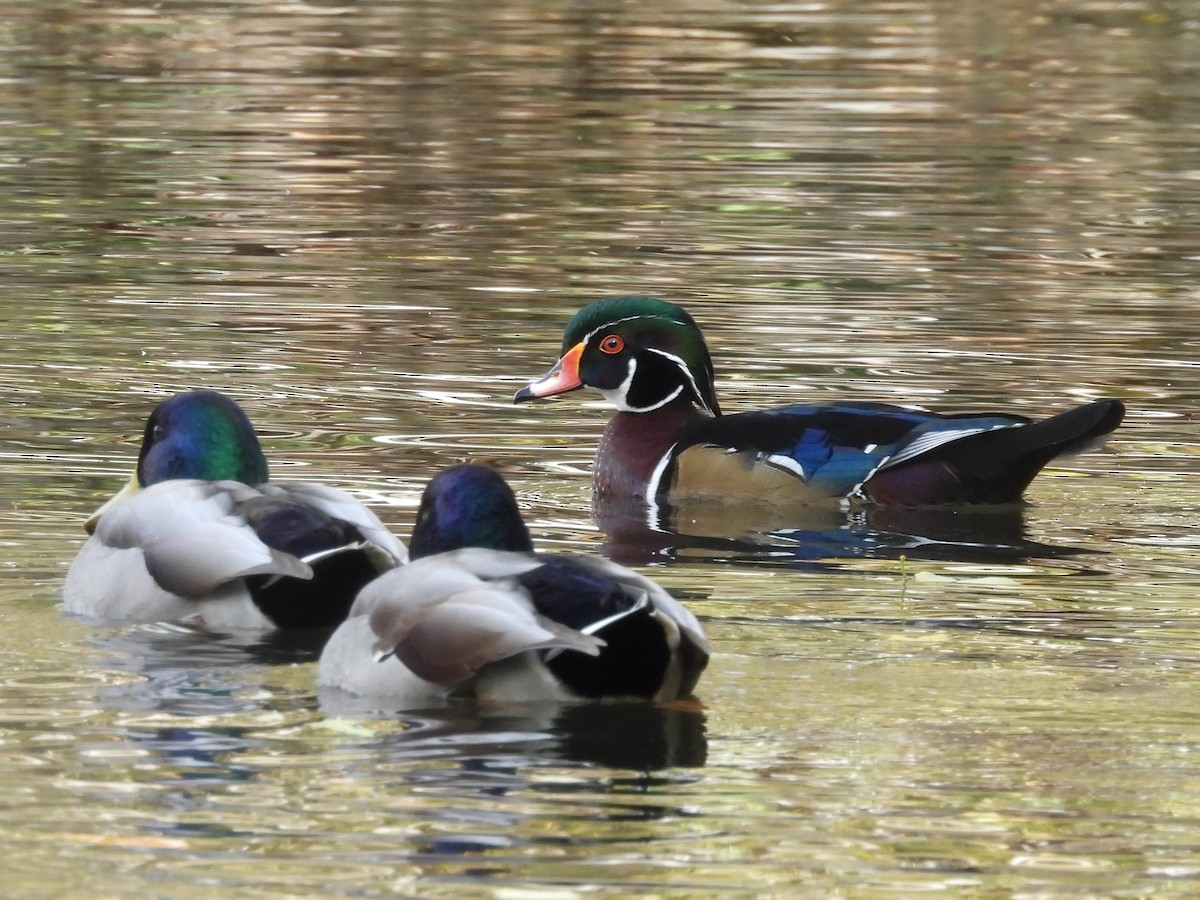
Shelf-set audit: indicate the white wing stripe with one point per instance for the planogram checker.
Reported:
(927, 442)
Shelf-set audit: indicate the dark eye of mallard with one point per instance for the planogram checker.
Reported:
(612, 344)
(158, 433)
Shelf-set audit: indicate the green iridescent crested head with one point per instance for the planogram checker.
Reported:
(200, 434)
(614, 309)
(640, 352)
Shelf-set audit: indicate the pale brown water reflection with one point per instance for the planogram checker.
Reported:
(370, 223)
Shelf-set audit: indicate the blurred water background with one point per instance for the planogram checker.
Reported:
(369, 222)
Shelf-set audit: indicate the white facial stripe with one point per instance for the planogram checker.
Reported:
(618, 396)
(683, 367)
(607, 325)
(661, 403)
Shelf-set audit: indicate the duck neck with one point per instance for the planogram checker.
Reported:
(634, 443)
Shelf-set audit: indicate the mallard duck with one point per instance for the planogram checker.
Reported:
(669, 442)
(200, 535)
(477, 614)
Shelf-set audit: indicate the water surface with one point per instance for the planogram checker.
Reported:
(370, 222)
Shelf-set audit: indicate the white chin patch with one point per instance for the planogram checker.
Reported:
(616, 397)
(619, 396)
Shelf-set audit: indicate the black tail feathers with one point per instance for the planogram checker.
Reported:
(1000, 464)
(994, 466)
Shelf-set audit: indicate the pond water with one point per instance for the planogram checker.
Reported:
(369, 222)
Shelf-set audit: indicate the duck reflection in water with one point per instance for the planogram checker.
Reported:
(185, 670)
(504, 738)
(638, 755)
(816, 536)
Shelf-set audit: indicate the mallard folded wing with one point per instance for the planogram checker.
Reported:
(192, 538)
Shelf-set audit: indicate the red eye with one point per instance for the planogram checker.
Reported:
(612, 344)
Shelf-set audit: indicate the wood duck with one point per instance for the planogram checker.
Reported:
(478, 615)
(200, 535)
(669, 442)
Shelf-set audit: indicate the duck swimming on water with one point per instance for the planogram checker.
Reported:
(479, 615)
(669, 442)
(201, 535)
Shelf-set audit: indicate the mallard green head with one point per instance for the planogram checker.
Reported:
(639, 352)
(468, 506)
(200, 434)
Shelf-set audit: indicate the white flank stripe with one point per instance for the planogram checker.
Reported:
(656, 477)
(788, 464)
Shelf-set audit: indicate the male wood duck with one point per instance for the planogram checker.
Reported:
(200, 535)
(478, 615)
(669, 442)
